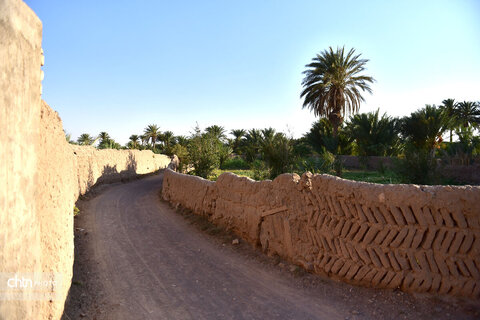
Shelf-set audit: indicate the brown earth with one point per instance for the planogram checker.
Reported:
(137, 258)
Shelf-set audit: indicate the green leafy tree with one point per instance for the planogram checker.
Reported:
(468, 115)
(134, 142)
(333, 83)
(152, 132)
(85, 139)
(217, 131)
(238, 135)
(449, 107)
(204, 152)
(374, 135)
(277, 151)
(424, 127)
(168, 140)
(251, 144)
(321, 138)
(422, 131)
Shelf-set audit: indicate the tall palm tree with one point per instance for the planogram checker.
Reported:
(424, 127)
(134, 141)
(374, 135)
(167, 139)
(152, 131)
(238, 135)
(468, 114)
(332, 85)
(217, 131)
(85, 139)
(449, 106)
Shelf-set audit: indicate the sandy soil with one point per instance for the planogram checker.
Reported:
(137, 258)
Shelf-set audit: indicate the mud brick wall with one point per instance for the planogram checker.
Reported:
(417, 238)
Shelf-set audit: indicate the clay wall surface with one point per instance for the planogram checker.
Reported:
(417, 238)
(41, 175)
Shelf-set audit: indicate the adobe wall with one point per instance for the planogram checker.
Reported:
(417, 238)
(41, 175)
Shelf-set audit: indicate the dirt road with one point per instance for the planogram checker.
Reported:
(136, 258)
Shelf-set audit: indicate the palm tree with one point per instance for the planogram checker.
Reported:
(374, 135)
(85, 139)
(151, 132)
(168, 139)
(182, 140)
(238, 135)
(134, 141)
(216, 131)
(468, 114)
(252, 143)
(332, 85)
(449, 107)
(424, 127)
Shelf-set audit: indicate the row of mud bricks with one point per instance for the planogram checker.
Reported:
(416, 238)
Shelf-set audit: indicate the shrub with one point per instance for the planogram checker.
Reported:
(183, 156)
(204, 150)
(260, 170)
(323, 163)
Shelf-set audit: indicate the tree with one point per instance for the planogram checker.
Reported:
(238, 134)
(449, 107)
(168, 139)
(424, 127)
(321, 138)
(203, 149)
(151, 132)
(251, 144)
(85, 139)
(468, 114)
(374, 136)
(133, 143)
(217, 131)
(332, 84)
(105, 141)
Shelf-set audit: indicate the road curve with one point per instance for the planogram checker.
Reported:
(152, 264)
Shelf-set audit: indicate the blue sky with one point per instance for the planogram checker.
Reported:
(118, 66)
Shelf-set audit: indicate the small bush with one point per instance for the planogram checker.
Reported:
(418, 166)
(260, 170)
(323, 163)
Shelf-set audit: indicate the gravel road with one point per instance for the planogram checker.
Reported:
(136, 258)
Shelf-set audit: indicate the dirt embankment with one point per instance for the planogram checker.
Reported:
(417, 238)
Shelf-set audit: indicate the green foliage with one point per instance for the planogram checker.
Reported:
(204, 151)
(423, 129)
(85, 139)
(151, 132)
(321, 138)
(224, 153)
(183, 156)
(277, 151)
(374, 136)
(260, 170)
(76, 211)
(319, 164)
(332, 85)
(250, 146)
(236, 163)
(238, 135)
(418, 166)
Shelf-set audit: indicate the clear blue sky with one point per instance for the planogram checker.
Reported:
(118, 66)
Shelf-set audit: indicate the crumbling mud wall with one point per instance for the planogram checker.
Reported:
(417, 238)
(41, 175)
